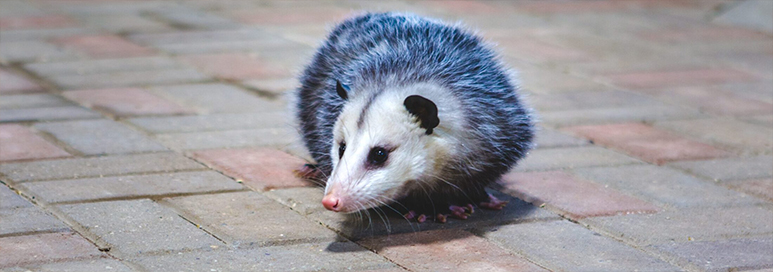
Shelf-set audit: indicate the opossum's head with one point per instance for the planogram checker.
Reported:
(385, 144)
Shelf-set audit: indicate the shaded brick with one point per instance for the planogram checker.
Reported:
(386, 222)
(249, 218)
(261, 169)
(125, 102)
(730, 168)
(19, 35)
(212, 122)
(12, 83)
(446, 250)
(301, 257)
(88, 189)
(686, 225)
(664, 185)
(274, 137)
(235, 66)
(580, 248)
(572, 157)
(45, 248)
(25, 220)
(137, 226)
(549, 138)
(97, 137)
(219, 41)
(727, 132)
(761, 187)
(577, 198)
(10, 199)
(647, 143)
(655, 79)
(31, 101)
(291, 15)
(97, 167)
(46, 114)
(196, 19)
(722, 255)
(125, 23)
(217, 98)
(48, 21)
(617, 115)
(101, 264)
(34, 51)
(20, 143)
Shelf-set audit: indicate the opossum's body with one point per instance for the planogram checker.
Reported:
(354, 101)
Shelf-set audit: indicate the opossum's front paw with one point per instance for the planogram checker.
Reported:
(493, 203)
(308, 171)
(419, 217)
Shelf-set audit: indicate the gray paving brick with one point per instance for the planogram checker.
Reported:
(47, 114)
(590, 100)
(667, 186)
(200, 42)
(687, 224)
(137, 226)
(196, 19)
(125, 23)
(249, 218)
(102, 264)
(303, 257)
(572, 157)
(96, 137)
(97, 167)
(129, 186)
(218, 98)
(31, 101)
(730, 168)
(31, 51)
(616, 115)
(275, 137)
(126, 79)
(549, 138)
(725, 131)
(30, 219)
(224, 121)
(722, 255)
(10, 199)
(19, 35)
(91, 9)
(89, 67)
(307, 201)
(564, 246)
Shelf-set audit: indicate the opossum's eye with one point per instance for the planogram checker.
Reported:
(377, 156)
(341, 149)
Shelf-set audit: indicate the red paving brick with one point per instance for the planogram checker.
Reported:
(447, 250)
(541, 51)
(104, 46)
(577, 198)
(48, 21)
(759, 187)
(464, 7)
(126, 102)
(12, 83)
(236, 66)
(19, 143)
(647, 143)
(696, 35)
(45, 248)
(258, 168)
(697, 77)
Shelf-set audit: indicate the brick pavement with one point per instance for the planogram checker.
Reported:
(152, 135)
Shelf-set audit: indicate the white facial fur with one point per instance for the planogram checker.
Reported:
(415, 158)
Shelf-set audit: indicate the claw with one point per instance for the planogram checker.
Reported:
(421, 218)
(410, 215)
(493, 203)
(441, 218)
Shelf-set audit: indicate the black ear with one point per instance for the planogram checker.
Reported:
(425, 110)
(342, 90)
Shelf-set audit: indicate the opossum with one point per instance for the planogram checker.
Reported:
(411, 113)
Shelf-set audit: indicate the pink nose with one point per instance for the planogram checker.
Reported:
(331, 203)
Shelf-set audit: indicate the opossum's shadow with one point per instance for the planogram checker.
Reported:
(391, 229)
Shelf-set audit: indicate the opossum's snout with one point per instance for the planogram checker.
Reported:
(332, 200)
